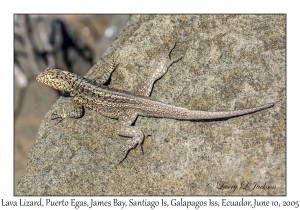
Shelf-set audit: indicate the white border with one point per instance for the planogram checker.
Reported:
(153, 6)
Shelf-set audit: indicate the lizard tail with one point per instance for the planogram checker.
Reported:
(160, 109)
(197, 115)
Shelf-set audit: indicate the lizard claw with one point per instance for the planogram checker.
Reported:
(126, 153)
(131, 145)
(175, 60)
(123, 159)
(114, 63)
(126, 149)
(60, 116)
(172, 48)
(142, 148)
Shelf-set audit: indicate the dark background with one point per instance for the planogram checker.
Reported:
(70, 42)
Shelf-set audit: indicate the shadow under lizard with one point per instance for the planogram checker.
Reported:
(124, 105)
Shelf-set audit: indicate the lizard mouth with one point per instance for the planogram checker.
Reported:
(44, 78)
(41, 78)
(38, 77)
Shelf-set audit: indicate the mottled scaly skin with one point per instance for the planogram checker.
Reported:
(124, 105)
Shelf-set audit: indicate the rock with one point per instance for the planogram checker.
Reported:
(230, 62)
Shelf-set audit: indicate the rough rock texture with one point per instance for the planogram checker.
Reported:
(230, 62)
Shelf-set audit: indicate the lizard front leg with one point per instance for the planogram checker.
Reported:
(125, 129)
(75, 112)
(107, 73)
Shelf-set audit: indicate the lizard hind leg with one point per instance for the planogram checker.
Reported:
(125, 129)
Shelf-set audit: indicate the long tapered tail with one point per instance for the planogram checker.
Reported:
(186, 114)
(193, 114)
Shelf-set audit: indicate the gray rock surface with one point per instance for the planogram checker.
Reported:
(230, 62)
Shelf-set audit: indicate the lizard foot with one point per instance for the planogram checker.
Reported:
(131, 144)
(61, 116)
(169, 53)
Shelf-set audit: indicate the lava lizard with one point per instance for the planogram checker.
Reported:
(124, 105)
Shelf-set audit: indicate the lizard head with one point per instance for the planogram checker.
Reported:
(58, 79)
